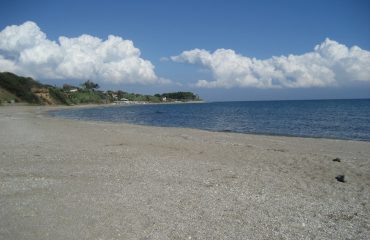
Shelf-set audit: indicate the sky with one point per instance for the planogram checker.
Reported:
(221, 50)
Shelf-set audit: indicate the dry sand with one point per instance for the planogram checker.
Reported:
(66, 179)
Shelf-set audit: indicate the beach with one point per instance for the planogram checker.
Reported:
(69, 179)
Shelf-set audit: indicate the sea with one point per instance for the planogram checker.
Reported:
(335, 119)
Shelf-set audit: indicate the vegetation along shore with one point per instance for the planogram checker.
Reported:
(17, 89)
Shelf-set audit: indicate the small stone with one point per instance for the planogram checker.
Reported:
(336, 160)
(340, 178)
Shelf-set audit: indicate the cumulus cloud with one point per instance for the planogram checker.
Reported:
(26, 50)
(330, 63)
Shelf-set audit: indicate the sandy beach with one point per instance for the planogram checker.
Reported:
(67, 179)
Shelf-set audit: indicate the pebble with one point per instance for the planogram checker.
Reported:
(340, 178)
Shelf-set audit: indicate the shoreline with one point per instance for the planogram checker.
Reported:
(63, 178)
(220, 131)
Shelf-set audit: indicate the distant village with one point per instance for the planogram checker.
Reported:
(122, 97)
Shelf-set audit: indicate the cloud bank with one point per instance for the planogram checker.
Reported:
(329, 64)
(26, 50)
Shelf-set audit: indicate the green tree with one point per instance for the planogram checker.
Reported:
(184, 96)
(120, 94)
(89, 85)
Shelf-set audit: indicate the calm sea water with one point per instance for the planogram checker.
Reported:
(342, 119)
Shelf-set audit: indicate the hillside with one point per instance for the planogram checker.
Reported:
(6, 96)
(17, 89)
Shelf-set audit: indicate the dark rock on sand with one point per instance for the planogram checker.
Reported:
(340, 178)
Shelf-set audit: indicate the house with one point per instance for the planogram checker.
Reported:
(122, 100)
(73, 90)
(114, 96)
(164, 99)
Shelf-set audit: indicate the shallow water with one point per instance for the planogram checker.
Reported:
(341, 119)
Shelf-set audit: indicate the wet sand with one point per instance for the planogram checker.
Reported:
(66, 179)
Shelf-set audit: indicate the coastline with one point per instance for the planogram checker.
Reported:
(74, 179)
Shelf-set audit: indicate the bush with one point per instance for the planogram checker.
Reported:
(85, 97)
(59, 96)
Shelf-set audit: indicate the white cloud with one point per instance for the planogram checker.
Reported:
(330, 63)
(25, 50)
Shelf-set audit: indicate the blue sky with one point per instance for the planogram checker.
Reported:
(252, 29)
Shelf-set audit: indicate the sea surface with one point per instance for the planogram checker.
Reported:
(338, 119)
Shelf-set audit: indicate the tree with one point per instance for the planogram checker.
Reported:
(89, 85)
(120, 94)
(185, 96)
